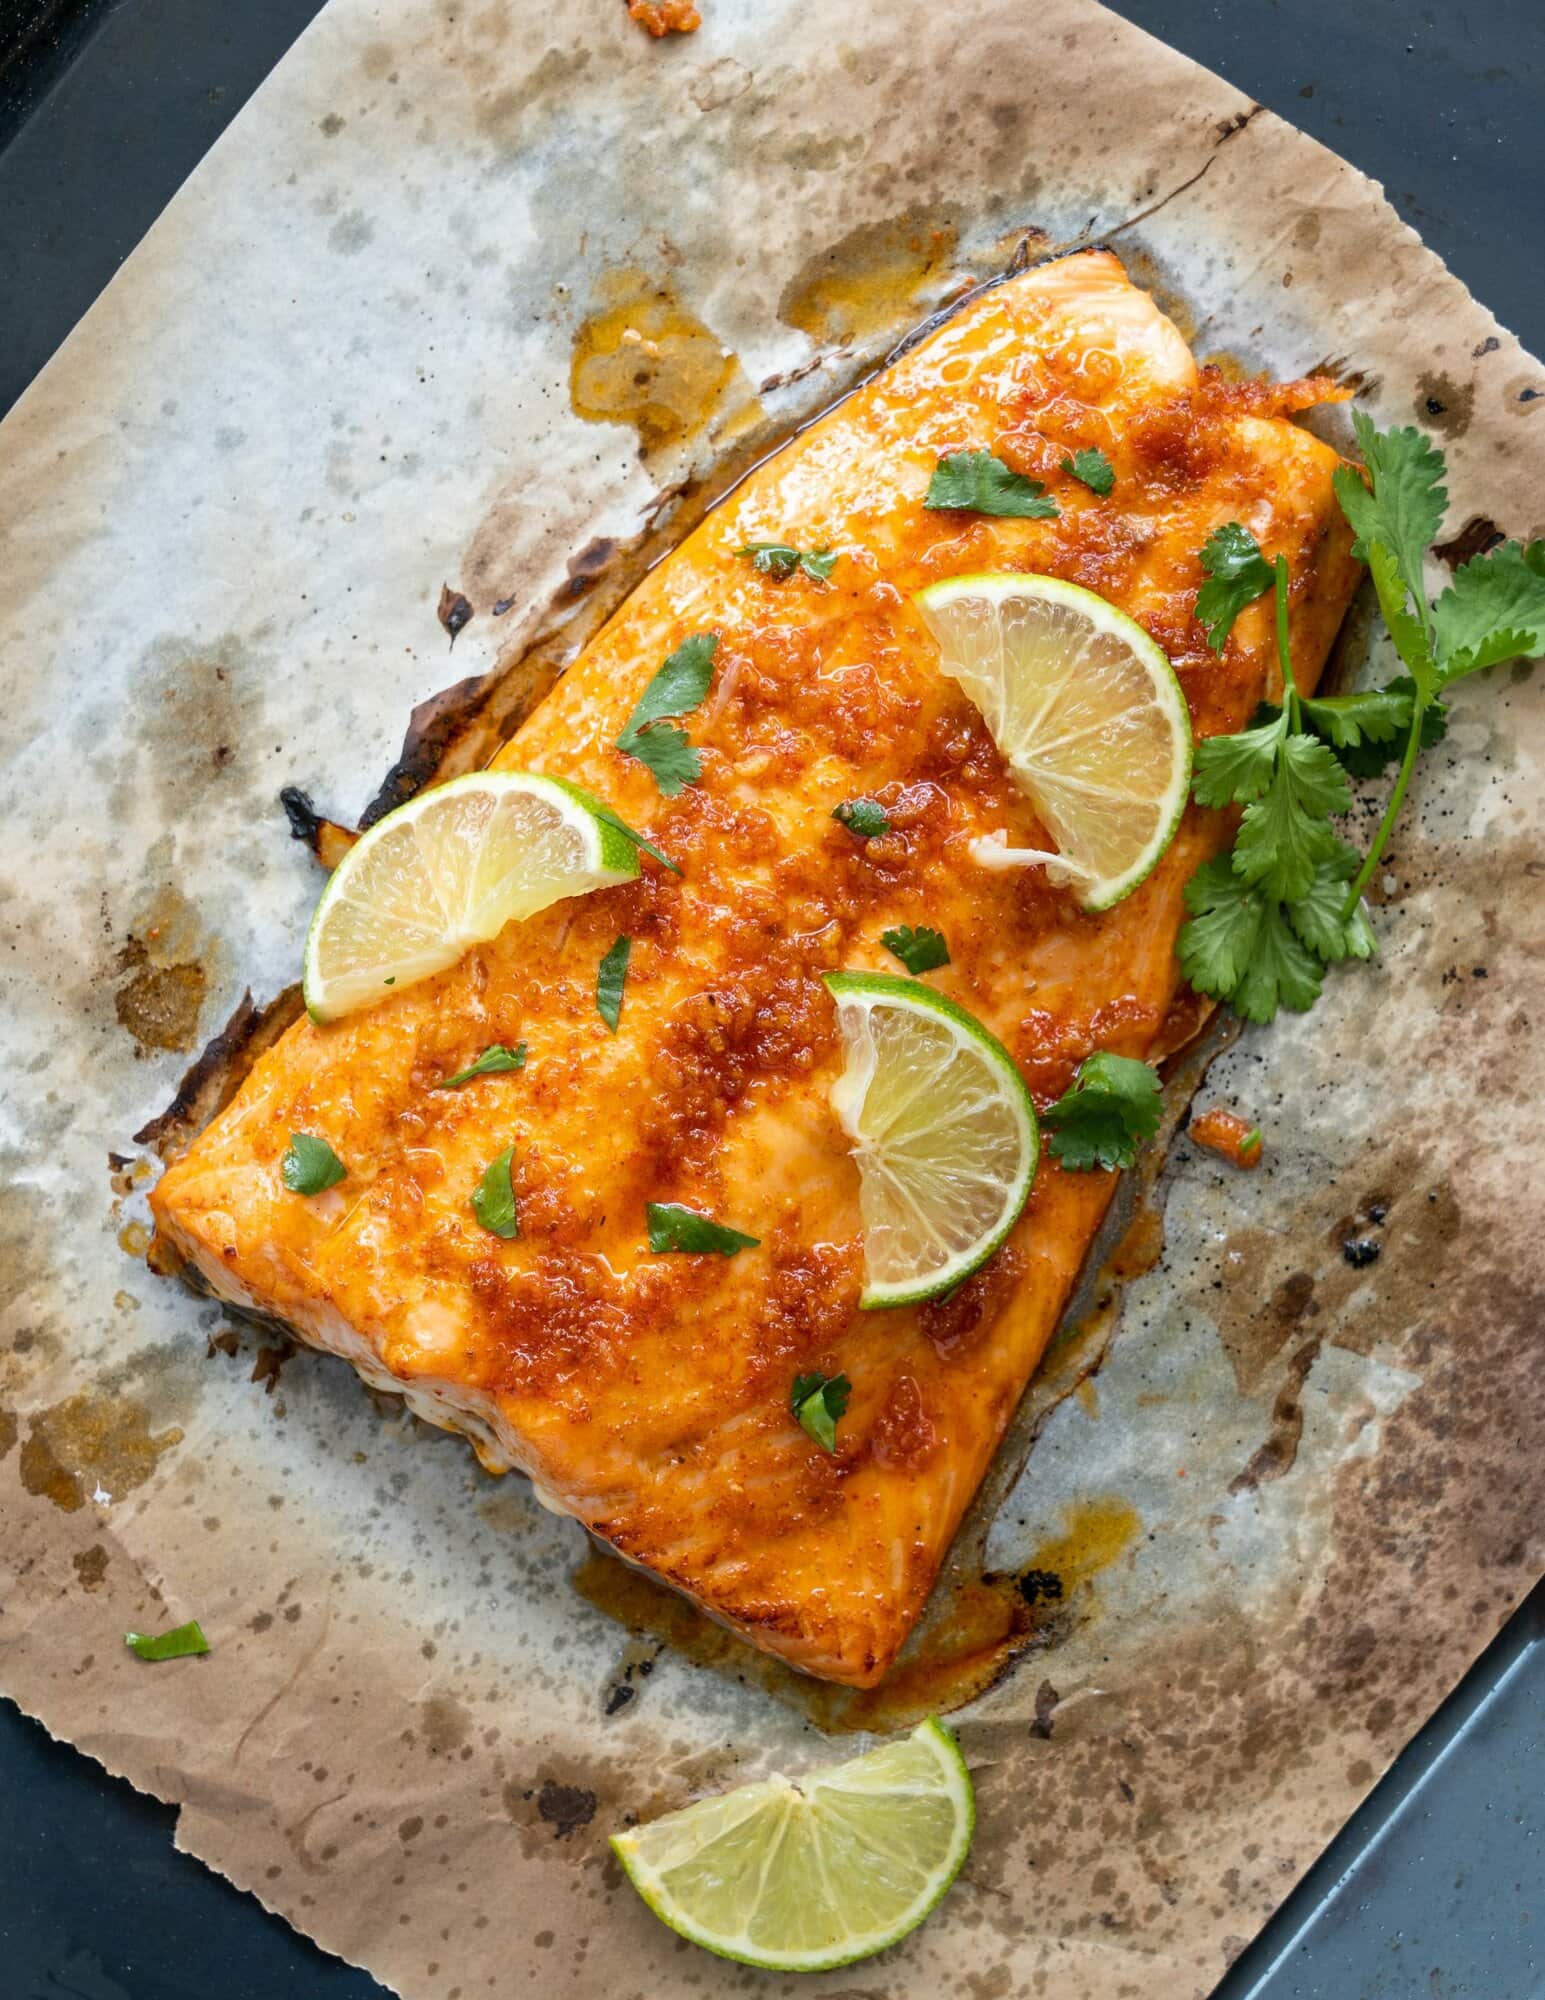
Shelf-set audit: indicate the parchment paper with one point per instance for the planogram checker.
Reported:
(1300, 1496)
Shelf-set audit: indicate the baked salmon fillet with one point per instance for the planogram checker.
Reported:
(649, 1395)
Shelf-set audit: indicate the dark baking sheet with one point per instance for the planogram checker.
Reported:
(1436, 1890)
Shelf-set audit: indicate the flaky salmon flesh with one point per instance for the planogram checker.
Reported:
(649, 1395)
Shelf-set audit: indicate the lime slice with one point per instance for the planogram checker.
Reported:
(802, 1877)
(943, 1129)
(448, 871)
(1088, 714)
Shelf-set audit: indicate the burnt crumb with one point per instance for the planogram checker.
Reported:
(1360, 1252)
(502, 605)
(270, 1364)
(454, 612)
(327, 839)
(1046, 1700)
(1488, 346)
(1041, 1586)
(619, 1698)
(1478, 534)
(1477, 972)
(566, 1808)
(1378, 1213)
(117, 1162)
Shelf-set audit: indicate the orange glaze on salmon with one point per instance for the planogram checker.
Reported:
(649, 1395)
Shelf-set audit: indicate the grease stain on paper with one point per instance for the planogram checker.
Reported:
(164, 979)
(91, 1447)
(870, 285)
(642, 358)
(977, 1626)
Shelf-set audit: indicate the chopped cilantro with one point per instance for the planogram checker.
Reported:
(1237, 573)
(780, 560)
(491, 1062)
(977, 482)
(1093, 468)
(818, 1401)
(493, 1199)
(611, 976)
(181, 1643)
(674, 1228)
(1112, 1107)
(920, 950)
(863, 817)
(676, 690)
(310, 1165)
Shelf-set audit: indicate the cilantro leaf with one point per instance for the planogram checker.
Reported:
(1348, 721)
(1401, 505)
(1354, 725)
(1237, 946)
(669, 754)
(817, 1401)
(181, 1643)
(978, 482)
(1493, 610)
(677, 688)
(1285, 832)
(1237, 573)
(1318, 918)
(1093, 468)
(1231, 770)
(493, 1199)
(491, 1062)
(920, 950)
(1113, 1106)
(864, 817)
(611, 976)
(780, 560)
(683, 1230)
(310, 1165)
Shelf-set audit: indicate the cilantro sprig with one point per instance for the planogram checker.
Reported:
(1267, 918)
(651, 734)
(1113, 1106)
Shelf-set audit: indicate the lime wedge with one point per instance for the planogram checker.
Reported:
(799, 1877)
(943, 1129)
(449, 870)
(1089, 717)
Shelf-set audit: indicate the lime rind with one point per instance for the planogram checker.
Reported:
(914, 1122)
(398, 873)
(995, 589)
(867, 1805)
